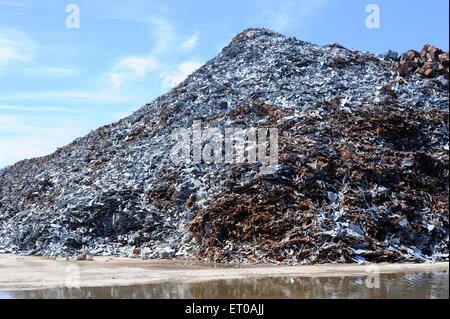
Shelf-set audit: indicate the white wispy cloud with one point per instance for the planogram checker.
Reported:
(37, 109)
(164, 39)
(131, 68)
(100, 96)
(163, 31)
(150, 16)
(13, 4)
(15, 46)
(10, 123)
(190, 43)
(20, 124)
(56, 72)
(138, 65)
(171, 79)
(280, 15)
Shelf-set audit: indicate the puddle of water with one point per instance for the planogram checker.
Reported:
(401, 285)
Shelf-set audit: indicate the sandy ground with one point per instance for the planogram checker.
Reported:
(32, 272)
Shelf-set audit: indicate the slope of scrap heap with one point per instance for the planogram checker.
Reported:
(362, 173)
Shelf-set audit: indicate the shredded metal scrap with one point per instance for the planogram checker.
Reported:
(362, 174)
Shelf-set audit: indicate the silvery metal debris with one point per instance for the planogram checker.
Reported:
(362, 173)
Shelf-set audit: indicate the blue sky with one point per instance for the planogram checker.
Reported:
(57, 83)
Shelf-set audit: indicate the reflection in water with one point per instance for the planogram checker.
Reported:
(409, 285)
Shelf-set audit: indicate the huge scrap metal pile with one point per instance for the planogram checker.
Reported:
(362, 173)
